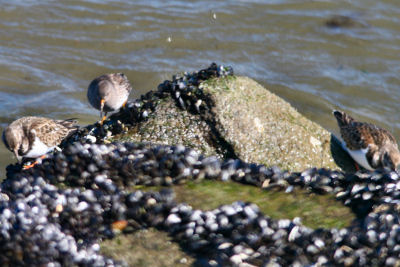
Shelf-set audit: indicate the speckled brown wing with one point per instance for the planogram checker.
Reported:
(51, 132)
(361, 135)
(358, 135)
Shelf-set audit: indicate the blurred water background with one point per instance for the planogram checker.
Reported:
(51, 50)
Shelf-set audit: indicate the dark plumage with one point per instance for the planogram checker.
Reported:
(109, 92)
(370, 146)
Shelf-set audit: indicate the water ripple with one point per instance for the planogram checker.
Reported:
(51, 50)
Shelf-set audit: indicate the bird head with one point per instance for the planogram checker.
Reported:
(15, 142)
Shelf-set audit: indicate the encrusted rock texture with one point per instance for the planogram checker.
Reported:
(202, 125)
(266, 129)
(170, 125)
(254, 125)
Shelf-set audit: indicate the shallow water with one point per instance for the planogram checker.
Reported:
(51, 50)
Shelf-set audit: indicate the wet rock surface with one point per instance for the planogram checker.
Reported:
(56, 213)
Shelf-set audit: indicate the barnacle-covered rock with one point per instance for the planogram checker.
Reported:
(262, 127)
(229, 116)
(57, 212)
(169, 125)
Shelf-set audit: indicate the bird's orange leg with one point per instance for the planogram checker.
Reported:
(34, 163)
(103, 118)
(124, 104)
(119, 225)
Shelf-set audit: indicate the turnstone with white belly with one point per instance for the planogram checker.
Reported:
(369, 145)
(109, 92)
(32, 137)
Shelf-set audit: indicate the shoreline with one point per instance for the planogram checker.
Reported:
(82, 195)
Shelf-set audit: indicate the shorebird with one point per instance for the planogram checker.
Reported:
(369, 145)
(33, 137)
(109, 92)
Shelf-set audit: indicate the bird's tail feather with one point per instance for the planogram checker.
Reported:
(69, 123)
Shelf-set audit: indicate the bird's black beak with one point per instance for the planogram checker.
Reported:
(19, 158)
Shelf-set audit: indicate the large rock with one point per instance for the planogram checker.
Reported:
(243, 120)
(227, 117)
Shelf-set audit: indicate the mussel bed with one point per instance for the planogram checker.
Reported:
(55, 213)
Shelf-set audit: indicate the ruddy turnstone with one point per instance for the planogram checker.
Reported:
(32, 137)
(370, 146)
(109, 92)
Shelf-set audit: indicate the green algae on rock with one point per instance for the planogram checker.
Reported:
(264, 128)
(151, 247)
(316, 211)
(146, 247)
(253, 123)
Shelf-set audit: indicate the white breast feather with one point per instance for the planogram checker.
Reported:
(118, 103)
(38, 149)
(359, 156)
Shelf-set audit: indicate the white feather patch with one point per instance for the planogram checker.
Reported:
(117, 103)
(38, 149)
(360, 157)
